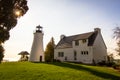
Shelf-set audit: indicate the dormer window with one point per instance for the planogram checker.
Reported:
(84, 41)
(77, 43)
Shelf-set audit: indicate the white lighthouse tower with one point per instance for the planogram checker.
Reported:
(37, 51)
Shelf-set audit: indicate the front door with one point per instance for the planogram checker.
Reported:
(40, 58)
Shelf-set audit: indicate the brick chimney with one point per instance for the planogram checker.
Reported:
(97, 29)
(62, 36)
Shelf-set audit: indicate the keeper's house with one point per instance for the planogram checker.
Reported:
(85, 48)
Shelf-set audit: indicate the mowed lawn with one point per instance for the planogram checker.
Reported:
(55, 71)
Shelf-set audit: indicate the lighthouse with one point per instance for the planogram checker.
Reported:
(37, 51)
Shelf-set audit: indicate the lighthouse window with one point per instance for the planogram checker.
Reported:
(60, 54)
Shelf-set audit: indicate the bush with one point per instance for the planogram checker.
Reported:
(56, 60)
(110, 64)
(102, 63)
(116, 66)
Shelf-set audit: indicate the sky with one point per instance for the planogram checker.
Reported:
(68, 17)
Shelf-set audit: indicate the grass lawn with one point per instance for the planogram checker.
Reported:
(55, 71)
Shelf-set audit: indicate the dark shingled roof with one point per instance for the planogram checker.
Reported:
(66, 42)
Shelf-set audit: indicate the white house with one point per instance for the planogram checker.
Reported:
(86, 48)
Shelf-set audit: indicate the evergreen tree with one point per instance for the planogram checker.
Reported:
(10, 11)
(49, 51)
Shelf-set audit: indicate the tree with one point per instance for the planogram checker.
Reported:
(10, 11)
(117, 37)
(1, 53)
(118, 48)
(116, 33)
(49, 51)
(110, 57)
(24, 55)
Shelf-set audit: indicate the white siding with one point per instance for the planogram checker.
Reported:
(83, 47)
(99, 49)
(37, 48)
(69, 53)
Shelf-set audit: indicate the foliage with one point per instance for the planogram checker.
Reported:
(110, 64)
(102, 63)
(49, 52)
(116, 32)
(8, 18)
(10, 10)
(110, 58)
(116, 66)
(24, 56)
(1, 53)
(117, 37)
(118, 49)
(55, 71)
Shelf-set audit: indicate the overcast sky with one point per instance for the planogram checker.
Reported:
(68, 17)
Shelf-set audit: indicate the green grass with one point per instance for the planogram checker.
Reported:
(55, 71)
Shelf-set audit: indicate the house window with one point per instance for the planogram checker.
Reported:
(87, 52)
(77, 43)
(84, 52)
(84, 41)
(75, 55)
(60, 54)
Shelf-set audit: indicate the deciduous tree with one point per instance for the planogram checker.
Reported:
(117, 37)
(1, 53)
(10, 11)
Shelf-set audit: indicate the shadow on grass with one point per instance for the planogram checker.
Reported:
(92, 71)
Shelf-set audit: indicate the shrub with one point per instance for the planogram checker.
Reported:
(56, 60)
(110, 64)
(102, 63)
(116, 66)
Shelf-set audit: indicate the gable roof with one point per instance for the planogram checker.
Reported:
(66, 42)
